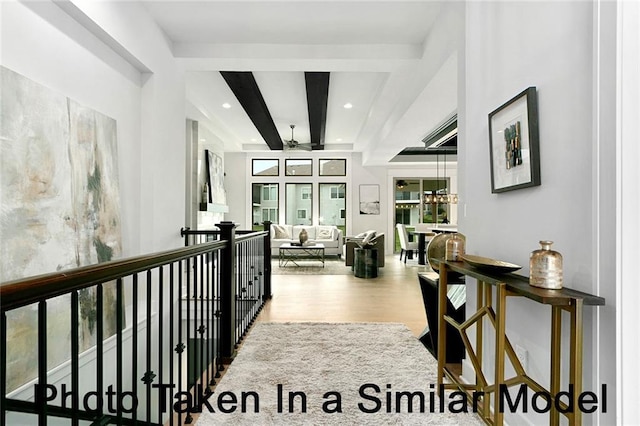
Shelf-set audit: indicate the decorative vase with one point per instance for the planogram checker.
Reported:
(545, 266)
(303, 236)
(454, 248)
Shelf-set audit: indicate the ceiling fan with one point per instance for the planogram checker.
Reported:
(294, 144)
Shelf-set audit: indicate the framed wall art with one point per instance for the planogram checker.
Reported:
(369, 199)
(514, 143)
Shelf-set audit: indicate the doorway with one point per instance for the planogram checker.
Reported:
(417, 201)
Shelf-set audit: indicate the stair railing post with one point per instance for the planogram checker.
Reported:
(227, 290)
(267, 261)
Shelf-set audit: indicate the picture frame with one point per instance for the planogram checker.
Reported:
(514, 144)
(214, 177)
(369, 201)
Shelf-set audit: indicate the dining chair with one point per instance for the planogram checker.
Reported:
(406, 246)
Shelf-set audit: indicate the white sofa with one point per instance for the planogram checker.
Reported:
(329, 235)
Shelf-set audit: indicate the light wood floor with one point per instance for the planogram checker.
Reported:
(394, 296)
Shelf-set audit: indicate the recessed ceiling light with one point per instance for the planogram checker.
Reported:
(226, 105)
(348, 105)
(253, 139)
(339, 140)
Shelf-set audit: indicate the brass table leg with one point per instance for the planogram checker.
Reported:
(442, 327)
(556, 334)
(480, 303)
(575, 354)
(501, 310)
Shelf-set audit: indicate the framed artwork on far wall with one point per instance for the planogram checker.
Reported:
(514, 143)
(369, 199)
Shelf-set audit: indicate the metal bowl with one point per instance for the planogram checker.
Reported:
(489, 264)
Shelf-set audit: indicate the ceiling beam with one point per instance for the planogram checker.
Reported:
(317, 96)
(244, 87)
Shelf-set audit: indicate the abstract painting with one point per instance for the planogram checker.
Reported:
(215, 178)
(60, 209)
(514, 143)
(369, 199)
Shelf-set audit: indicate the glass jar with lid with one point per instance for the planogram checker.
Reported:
(545, 267)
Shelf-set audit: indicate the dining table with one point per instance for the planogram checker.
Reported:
(422, 234)
(422, 243)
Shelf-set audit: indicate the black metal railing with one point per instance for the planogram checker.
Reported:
(162, 327)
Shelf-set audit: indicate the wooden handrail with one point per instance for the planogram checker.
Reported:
(222, 301)
(22, 292)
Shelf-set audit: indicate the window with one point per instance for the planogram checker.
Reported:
(333, 205)
(298, 204)
(333, 167)
(265, 167)
(264, 204)
(298, 167)
(270, 192)
(269, 214)
(337, 192)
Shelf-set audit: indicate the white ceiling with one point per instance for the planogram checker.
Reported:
(375, 51)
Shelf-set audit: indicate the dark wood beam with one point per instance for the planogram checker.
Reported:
(317, 95)
(244, 86)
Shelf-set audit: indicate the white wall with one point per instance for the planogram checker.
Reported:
(137, 84)
(28, 42)
(509, 47)
(628, 211)
(47, 45)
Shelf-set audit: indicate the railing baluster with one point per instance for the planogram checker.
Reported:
(42, 363)
(188, 418)
(209, 312)
(171, 334)
(134, 344)
(100, 346)
(75, 354)
(180, 346)
(219, 363)
(119, 349)
(222, 299)
(202, 327)
(160, 337)
(148, 376)
(3, 368)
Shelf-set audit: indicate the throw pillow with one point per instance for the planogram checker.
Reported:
(281, 233)
(370, 236)
(325, 233)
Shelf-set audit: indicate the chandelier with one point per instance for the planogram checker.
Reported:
(441, 196)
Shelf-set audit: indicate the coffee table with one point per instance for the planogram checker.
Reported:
(288, 253)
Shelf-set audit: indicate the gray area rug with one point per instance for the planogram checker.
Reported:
(332, 266)
(324, 362)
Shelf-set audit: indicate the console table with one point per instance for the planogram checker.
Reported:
(456, 301)
(506, 285)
